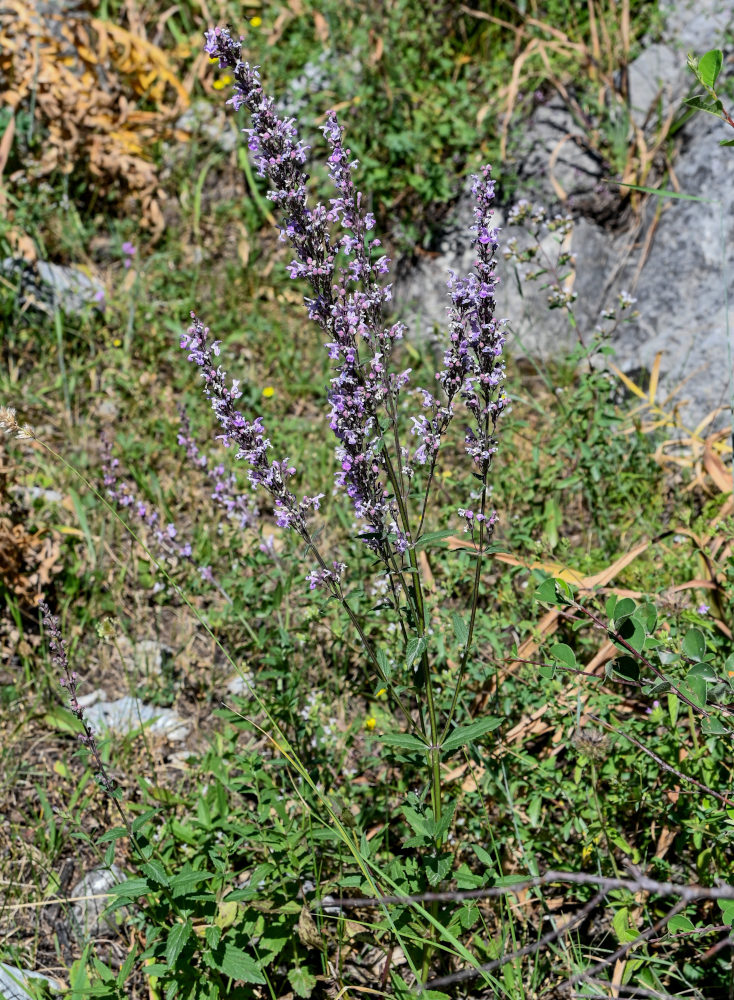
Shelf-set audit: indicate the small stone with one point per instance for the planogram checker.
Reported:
(87, 917)
(14, 982)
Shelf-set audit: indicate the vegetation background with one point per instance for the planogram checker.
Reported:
(119, 160)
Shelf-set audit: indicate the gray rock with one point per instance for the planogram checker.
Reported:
(49, 287)
(14, 982)
(87, 917)
(127, 715)
(677, 268)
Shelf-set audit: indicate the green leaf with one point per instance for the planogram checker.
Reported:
(302, 981)
(704, 670)
(461, 629)
(647, 616)
(694, 644)
(131, 888)
(727, 910)
(62, 720)
(403, 740)
(560, 651)
(415, 648)
(695, 690)
(626, 667)
(624, 609)
(633, 634)
(114, 834)
(185, 881)
(610, 605)
(726, 142)
(673, 706)
(546, 592)
(622, 927)
(714, 727)
(212, 935)
(709, 67)
(432, 536)
(680, 923)
(143, 818)
(155, 870)
(438, 867)
(155, 970)
(467, 734)
(484, 856)
(384, 662)
(422, 825)
(177, 938)
(236, 964)
(705, 104)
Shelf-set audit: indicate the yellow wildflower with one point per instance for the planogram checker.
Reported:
(370, 722)
(256, 21)
(223, 81)
(268, 391)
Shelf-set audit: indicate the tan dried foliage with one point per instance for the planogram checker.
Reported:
(102, 94)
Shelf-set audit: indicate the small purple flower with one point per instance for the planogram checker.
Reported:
(129, 251)
(703, 609)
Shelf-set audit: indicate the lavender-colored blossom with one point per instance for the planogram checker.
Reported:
(241, 508)
(247, 436)
(68, 680)
(324, 576)
(347, 298)
(124, 495)
(473, 365)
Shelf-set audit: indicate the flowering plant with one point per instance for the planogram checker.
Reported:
(387, 482)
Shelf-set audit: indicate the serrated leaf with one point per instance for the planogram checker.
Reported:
(114, 834)
(176, 940)
(438, 867)
(212, 935)
(414, 649)
(560, 651)
(422, 825)
(384, 662)
(302, 981)
(403, 740)
(705, 104)
(430, 537)
(467, 734)
(155, 870)
(131, 888)
(143, 818)
(709, 67)
(236, 963)
(461, 629)
(185, 881)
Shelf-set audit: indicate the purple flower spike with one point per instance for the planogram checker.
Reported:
(347, 298)
(472, 363)
(247, 436)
